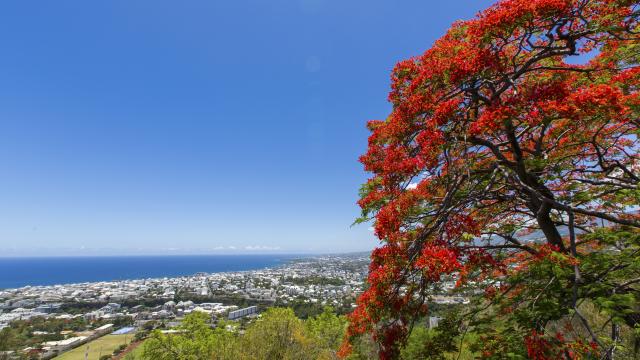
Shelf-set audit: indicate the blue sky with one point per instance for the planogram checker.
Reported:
(131, 127)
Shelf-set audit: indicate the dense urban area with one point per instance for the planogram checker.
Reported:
(45, 321)
(104, 320)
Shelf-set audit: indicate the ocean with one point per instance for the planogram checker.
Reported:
(19, 272)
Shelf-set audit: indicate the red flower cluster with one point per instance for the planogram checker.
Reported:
(438, 260)
(540, 347)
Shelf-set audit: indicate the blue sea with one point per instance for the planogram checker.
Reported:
(19, 272)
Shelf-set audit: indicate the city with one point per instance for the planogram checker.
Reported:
(316, 282)
(88, 311)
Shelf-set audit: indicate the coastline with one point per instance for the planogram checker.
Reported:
(22, 272)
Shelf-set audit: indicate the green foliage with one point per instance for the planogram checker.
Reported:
(277, 334)
(8, 339)
(497, 340)
(314, 280)
(433, 344)
(141, 335)
(195, 340)
(328, 331)
(20, 334)
(364, 348)
(368, 211)
(606, 297)
(81, 307)
(304, 309)
(119, 349)
(419, 344)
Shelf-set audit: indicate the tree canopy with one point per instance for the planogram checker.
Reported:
(509, 164)
(277, 334)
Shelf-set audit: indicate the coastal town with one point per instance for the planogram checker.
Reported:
(123, 307)
(63, 318)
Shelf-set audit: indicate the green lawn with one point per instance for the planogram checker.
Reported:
(101, 346)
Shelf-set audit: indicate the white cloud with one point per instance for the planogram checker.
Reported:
(261, 247)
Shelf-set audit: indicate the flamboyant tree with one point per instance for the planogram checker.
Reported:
(510, 164)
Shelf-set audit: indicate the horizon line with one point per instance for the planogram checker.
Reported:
(292, 253)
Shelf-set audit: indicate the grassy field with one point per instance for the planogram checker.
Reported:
(101, 346)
